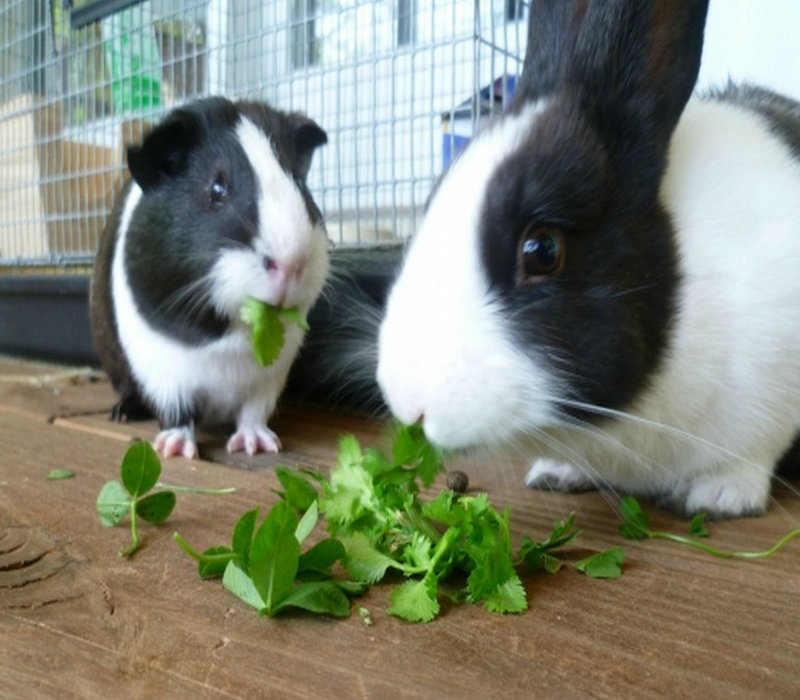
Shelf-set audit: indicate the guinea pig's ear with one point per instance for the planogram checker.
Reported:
(165, 150)
(307, 136)
(633, 69)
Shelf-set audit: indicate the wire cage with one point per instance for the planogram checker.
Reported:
(399, 86)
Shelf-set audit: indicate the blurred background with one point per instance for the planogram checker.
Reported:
(399, 86)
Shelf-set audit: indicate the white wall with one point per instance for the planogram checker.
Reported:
(754, 40)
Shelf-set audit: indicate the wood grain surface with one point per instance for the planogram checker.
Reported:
(76, 621)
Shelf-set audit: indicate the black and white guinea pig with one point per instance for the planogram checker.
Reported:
(216, 209)
(609, 276)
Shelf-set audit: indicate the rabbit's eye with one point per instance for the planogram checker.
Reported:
(541, 253)
(218, 192)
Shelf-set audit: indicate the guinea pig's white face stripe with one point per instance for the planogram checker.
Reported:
(286, 234)
(284, 223)
(445, 349)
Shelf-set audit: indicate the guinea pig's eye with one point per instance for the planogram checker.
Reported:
(541, 252)
(218, 192)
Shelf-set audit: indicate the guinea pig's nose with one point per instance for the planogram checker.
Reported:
(269, 263)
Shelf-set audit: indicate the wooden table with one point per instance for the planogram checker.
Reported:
(78, 621)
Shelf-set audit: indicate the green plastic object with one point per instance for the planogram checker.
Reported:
(133, 59)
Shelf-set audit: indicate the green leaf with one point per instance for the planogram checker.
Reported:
(321, 557)
(492, 566)
(564, 532)
(140, 468)
(251, 310)
(415, 601)
(411, 447)
(539, 560)
(538, 555)
(508, 598)
(351, 588)
(349, 495)
(349, 452)
(268, 338)
(216, 563)
(58, 474)
(551, 564)
(243, 534)
(315, 596)
(236, 580)
(489, 546)
(156, 507)
(636, 525)
(307, 522)
(297, 490)
(441, 509)
(375, 462)
(267, 332)
(113, 503)
(697, 526)
(606, 564)
(407, 443)
(418, 551)
(363, 561)
(275, 555)
(294, 315)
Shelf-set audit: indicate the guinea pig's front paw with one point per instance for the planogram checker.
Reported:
(252, 439)
(176, 442)
(550, 475)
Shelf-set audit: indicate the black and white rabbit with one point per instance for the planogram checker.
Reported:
(609, 276)
(216, 209)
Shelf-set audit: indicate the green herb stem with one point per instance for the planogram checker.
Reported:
(197, 556)
(193, 489)
(443, 546)
(724, 554)
(135, 541)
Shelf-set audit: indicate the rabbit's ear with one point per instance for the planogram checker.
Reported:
(634, 67)
(552, 33)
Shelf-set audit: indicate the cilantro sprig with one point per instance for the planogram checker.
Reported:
(636, 526)
(139, 470)
(373, 504)
(537, 556)
(541, 556)
(268, 330)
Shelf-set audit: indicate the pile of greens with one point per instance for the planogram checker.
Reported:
(377, 522)
(378, 526)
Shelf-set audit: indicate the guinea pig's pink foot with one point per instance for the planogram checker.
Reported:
(254, 439)
(176, 442)
(551, 475)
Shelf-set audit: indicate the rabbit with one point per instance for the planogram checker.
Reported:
(216, 209)
(608, 276)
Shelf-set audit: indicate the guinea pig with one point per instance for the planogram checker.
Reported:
(608, 277)
(216, 209)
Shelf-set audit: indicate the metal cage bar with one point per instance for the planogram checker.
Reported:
(399, 85)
